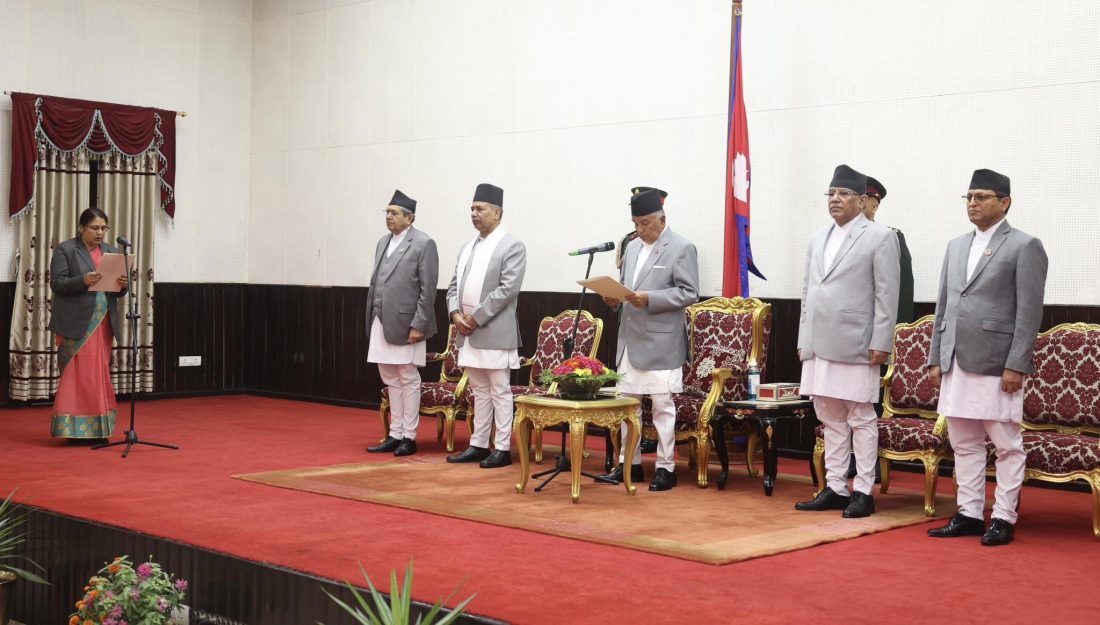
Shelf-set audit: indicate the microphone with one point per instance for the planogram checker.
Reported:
(124, 242)
(602, 247)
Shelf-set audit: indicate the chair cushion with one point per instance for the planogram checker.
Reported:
(911, 388)
(437, 394)
(687, 411)
(1065, 388)
(1051, 452)
(904, 434)
(550, 342)
(518, 390)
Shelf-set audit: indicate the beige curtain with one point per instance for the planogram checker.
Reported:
(129, 193)
(130, 196)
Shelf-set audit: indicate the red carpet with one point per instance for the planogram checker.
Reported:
(522, 576)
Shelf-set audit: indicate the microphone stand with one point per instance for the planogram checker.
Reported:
(562, 462)
(132, 316)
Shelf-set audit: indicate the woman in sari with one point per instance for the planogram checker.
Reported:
(85, 323)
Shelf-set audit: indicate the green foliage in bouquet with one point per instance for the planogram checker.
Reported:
(121, 594)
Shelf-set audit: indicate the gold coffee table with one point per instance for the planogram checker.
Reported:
(540, 411)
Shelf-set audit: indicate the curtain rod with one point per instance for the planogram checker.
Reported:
(179, 113)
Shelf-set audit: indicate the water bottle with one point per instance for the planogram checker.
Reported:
(754, 379)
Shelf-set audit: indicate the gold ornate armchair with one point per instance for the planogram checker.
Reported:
(909, 428)
(445, 399)
(550, 351)
(1062, 410)
(724, 334)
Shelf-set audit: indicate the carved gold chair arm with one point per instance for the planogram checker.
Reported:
(718, 379)
(461, 388)
(940, 429)
(526, 362)
(436, 356)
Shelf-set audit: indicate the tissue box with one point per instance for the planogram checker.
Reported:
(777, 391)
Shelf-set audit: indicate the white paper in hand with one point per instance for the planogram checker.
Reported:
(111, 266)
(606, 286)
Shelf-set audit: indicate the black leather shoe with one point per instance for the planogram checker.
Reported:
(959, 525)
(648, 447)
(385, 446)
(406, 448)
(1000, 532)
(859, 506)
(825, 500)
(470, 454)
(616, 475)
(662, 480)
(499, 458)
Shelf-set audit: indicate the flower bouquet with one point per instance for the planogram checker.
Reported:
(580, 377)
(123, 595)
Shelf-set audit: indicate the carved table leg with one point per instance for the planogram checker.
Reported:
(522, 429)
(577, 428)
(718, 424)
(771, 454)
(633, 439)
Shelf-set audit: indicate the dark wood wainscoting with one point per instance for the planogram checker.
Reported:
(310, 343)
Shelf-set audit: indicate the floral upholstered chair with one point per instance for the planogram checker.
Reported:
(723, 335)
(1062, 410)
(909, 428)
(446, 399)
(550, 351)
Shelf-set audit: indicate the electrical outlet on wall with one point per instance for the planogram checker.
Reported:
(190, 361)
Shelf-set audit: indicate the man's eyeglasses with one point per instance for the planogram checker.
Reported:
(979, 197)
(841, 193)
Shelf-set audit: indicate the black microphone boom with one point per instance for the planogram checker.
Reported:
(124, 242)
(602, 247)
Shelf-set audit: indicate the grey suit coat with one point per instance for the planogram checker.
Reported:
(850, 308)
(990, 322)
(407, 288)
(73, 303)
(498, 325)
(657, 334)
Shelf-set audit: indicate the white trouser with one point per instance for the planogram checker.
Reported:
(968, 440)
(492, 391)
(404, 384)
(850, 427)
(664, 420)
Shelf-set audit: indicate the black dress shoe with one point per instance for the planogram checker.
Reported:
(470, 454)
(406, 448)
(499, 458)
(648, 447)
(385, 446)
(616, 475)
(662, 480)
(859, 506)
(1000, 532)
(825, 500)
(959, 525)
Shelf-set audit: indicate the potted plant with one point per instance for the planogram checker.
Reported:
(398, 610)
(11, 537)
(122, 594)
(580, 377)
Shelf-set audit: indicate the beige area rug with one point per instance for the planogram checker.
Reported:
(704, 525)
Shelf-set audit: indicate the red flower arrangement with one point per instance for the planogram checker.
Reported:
(580, 376)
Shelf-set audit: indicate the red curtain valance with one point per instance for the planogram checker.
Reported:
(98, 127)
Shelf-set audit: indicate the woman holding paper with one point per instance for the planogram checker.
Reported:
(85, 404)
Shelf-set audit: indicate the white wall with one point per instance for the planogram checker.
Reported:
(186, 55)
(568, 103)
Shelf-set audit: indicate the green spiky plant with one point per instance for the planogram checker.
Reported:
(396, 611)
(10, 539)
